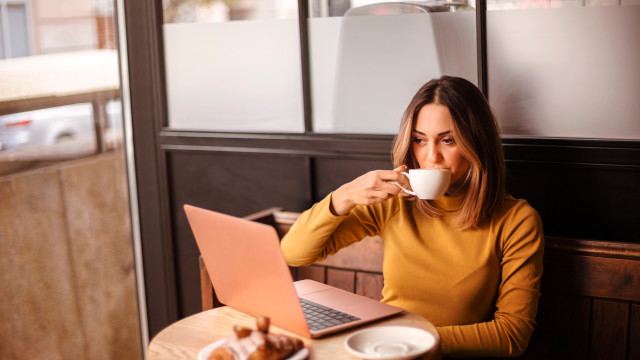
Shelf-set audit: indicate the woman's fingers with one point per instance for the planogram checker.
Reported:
(369, 189)
(392, 175)
(403, 181)
(375, 197)
(390, 187)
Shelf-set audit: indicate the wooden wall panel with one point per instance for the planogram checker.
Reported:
(342, 279)
(316, 273)
(610, 322)
(569, 325)
(634, 332)
(365, 255)
(589, 303)
(369, 285)
(540, 342)
(594, 276)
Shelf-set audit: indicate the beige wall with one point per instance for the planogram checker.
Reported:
(63, 25)
(66, 264)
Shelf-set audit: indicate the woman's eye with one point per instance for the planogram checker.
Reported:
(418, 140)
(448, 141)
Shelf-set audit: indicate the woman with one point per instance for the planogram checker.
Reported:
(471, 261)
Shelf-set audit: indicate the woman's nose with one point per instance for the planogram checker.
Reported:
(433, 154)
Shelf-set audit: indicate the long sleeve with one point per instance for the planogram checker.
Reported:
(479, 287)
(318, 233)
(508, 333)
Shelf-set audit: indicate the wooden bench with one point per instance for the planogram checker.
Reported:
(590, 304)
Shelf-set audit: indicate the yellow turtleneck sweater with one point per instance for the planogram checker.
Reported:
(480, 287)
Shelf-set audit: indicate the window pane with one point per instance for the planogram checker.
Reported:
(60, 103)
(565, 70)
(224, 74)
(18, 30)
(368, 60)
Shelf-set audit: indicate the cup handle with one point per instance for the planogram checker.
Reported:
(403, 189)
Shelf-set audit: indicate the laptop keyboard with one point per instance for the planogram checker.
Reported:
(320, 317)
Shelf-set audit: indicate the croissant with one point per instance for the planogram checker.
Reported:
(257, 344)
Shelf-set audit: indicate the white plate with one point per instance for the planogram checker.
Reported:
(207, 350)
(390, 342)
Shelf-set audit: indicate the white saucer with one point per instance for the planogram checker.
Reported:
(390, 342)
(207, 350)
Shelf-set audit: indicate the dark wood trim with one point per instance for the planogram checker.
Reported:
(206, 295)
(561, 152)
(313, 185)
(177, 134)
(272, 151)
(568, 164)
(305, 68)
(146, 74)
(296, 143)
(481, 36)
(576, 151)
(594, 247)
(592, 268)
(571, 142)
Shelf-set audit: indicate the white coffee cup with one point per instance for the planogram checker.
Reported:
(427, 184)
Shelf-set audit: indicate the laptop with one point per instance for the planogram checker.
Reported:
(249, 273)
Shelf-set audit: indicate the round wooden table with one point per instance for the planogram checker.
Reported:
(185, 338)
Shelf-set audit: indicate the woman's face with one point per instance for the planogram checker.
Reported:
(433, 143)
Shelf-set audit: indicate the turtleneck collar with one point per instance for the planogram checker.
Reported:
(450, 203)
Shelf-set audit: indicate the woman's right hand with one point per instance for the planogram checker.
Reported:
(371, 188)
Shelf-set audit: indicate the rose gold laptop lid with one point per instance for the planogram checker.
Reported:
(249, 273)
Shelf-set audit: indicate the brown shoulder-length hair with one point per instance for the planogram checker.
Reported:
(476, 134)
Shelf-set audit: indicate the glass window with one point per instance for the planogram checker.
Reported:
(19, 40)
(59, 97)
(368, 59)
(561, 69)
(233, 65)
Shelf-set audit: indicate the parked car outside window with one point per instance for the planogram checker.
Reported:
(71, 124)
